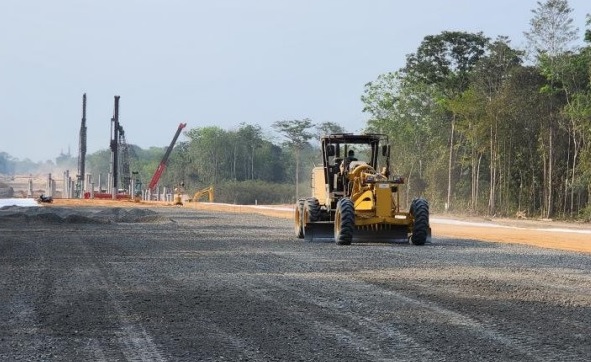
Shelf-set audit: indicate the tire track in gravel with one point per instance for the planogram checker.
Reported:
(136, 343)
(351, 330)
(76, 281)
(368, 330)
(19, 326)
(352, 296)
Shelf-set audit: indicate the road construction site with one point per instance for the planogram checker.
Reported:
(208, 282)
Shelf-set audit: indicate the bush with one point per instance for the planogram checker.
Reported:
(585, 214)
(254, 192)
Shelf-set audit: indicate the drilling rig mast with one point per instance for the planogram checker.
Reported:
(81, 152)
(115, 130)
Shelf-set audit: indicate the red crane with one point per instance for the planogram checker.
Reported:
(162, 165)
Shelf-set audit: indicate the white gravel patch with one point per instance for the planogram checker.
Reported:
(493, 225)
(19, 202)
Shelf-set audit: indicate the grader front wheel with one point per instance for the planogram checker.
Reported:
(344, 222)
(419, 208)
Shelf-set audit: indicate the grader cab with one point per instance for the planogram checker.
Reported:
(354, 197)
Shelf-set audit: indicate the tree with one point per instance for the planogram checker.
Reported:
(468, 108)
(326, 128)
(588, 31)
(251, 138)
(551, 29)
(298, 134)
(407, 111)
(209, 154)
(446, 60)
(488, 78)
(551, 35)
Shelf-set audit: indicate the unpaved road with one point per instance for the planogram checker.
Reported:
(181, 284)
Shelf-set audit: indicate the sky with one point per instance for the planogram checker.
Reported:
(211, 63)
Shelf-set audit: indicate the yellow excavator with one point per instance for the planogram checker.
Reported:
(357, 199)
(206, 191)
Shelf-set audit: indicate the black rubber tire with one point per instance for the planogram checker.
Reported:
(419, 209)
(311, 213)
(311, 210)
(299, 219)
(344, 223)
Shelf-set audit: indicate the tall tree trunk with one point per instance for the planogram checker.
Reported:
(297, 172)
(550, 169)
(572, 183)
(493, 173)
(450, 163)
(252, 163)
(234, 162)
(473, 180)
(478, 179)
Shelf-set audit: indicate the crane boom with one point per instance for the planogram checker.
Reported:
(162, 166)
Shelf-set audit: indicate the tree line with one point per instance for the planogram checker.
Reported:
(244, 165)
(479, 127)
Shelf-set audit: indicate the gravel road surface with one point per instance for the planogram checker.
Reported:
(180, 284)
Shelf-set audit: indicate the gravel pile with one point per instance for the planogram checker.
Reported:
(78, 215)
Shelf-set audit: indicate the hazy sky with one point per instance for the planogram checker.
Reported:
(216, 62)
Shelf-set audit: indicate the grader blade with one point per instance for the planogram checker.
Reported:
(381, 235)
(320, 231)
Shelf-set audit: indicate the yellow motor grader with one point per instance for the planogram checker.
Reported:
(354, 197)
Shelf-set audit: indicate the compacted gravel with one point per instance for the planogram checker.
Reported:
(179, 284)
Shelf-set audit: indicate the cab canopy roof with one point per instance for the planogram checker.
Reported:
(354, 138)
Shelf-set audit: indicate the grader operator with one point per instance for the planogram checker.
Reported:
(354, 198)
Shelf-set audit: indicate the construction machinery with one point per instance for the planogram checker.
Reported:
(206, 191)
(119, 165)
(354, 198)
(80, 187)
(162, 166)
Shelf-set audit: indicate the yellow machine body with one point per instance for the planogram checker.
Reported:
(351, 199)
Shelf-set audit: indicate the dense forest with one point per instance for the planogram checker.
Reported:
(482, 127)
(476, 125)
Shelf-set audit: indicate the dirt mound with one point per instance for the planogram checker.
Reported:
(78, 215)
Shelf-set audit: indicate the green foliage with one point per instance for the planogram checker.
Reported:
(446, 60)
(588, 31)
(297, 134)
(295, 131)
(471, 129)
(326, 128)
(252, 192)
(551, 29)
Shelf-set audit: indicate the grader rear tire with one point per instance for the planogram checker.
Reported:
(344, 222)
(311, 210)
(299, 219)
(419, 208)
(311, 213)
